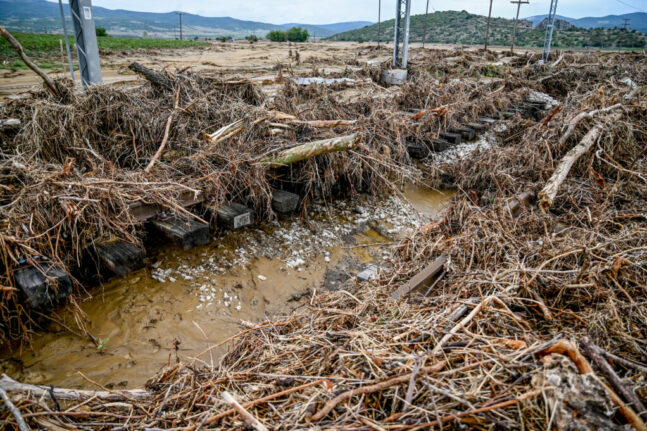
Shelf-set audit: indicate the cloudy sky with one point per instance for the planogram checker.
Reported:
(328, 11)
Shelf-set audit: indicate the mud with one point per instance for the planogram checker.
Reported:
(201, 297)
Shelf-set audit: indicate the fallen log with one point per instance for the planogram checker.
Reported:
(156, 79)
(549, 192)
(325, 124)
(11, 386)
(311, 149)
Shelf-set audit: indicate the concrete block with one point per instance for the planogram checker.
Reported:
(42, 291)
(120, 257)
(186, 233)
(477, 127)
(235, 216)
(466, 133)
(439, 145)
(452, 138)
(284, 202)
(418, 151)
(394, 76)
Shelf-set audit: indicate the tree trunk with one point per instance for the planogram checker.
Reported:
(312, 149)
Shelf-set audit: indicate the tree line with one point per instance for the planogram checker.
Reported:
(295, 34)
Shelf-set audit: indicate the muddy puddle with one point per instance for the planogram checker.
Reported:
(203, 296)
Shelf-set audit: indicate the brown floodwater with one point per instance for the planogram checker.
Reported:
(203, 296)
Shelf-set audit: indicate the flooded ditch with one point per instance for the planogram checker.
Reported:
(198, 298)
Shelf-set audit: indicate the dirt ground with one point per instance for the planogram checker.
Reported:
(259, 61)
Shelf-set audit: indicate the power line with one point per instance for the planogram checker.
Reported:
(516, 21)
(631, 6)
(626, 23)
(180, 14)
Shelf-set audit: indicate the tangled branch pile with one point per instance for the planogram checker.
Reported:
(494, 342)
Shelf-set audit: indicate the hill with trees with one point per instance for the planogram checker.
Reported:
(464, 28)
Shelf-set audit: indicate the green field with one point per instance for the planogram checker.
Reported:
(38, 45)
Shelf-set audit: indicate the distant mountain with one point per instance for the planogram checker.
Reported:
(41, 16)
(464, 28)
(637, 21)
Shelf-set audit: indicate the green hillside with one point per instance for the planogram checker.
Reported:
(468, 29)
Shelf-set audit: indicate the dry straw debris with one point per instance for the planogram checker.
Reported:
(494, 344)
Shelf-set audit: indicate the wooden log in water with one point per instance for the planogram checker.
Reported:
(43, 286)
(235, 216)
(183, 232)
(120, 257)
(284, 202)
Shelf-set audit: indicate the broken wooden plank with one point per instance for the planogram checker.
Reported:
(120, 257)
(143, 211)
(185, 233)
(284, 202)
(452, 138)
(422, 278)
(235, 216)
(43, 286)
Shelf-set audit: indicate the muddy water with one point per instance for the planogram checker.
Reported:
(202, 296)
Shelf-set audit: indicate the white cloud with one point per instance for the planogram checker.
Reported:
(328, 11)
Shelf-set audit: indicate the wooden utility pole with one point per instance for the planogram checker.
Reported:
(379, 21)
(487, 32)
(516, 21)
(424, 31)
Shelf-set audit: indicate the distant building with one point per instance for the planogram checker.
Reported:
(560, 24)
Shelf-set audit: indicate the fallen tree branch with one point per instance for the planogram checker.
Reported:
(597, 356)
(22, 426)
(325, 124)
(49, 82)
(249, 420)
(312, 149)
(567, 348)
(167, 131)
(156, 79)
(12, 386)
(549, 192)
(327, 408)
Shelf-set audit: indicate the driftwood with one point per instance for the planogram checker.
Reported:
(49, 82)
(11, 386)
(22, 426)
(567, 348)
(156, 79)
(312, 149)
(249, 420)
(422, 278)
(549, 192)
(167, 131)
(597, 356)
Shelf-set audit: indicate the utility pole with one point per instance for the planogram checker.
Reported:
(402, 22)
(379, 22)
(487, 32)
(180, 14)
(67, 40)
(516, 21)
(626, 24)
(550, 26)
(87, 50)
(424, 31)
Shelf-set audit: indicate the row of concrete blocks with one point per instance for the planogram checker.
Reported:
(450, 138)
(45, 285)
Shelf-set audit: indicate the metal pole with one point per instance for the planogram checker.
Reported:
(424, 31)
(396, 37)
(405, 42)
(379, 22)
(87, 50)
(487, 32)
(516, 21)
(180, 13)
(550, 26)
(67, 40)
